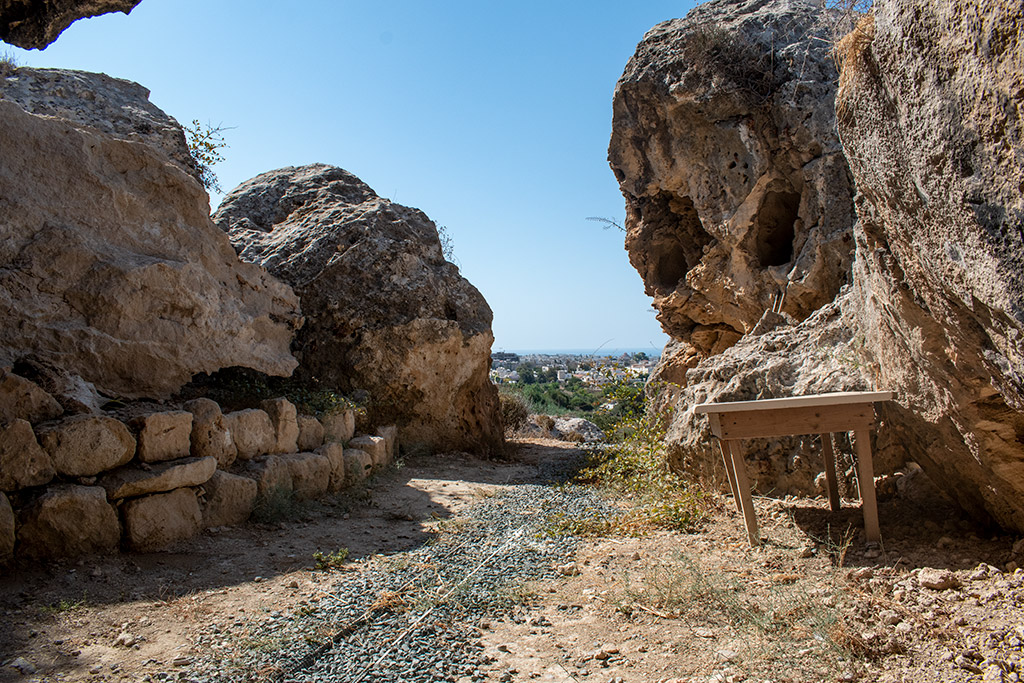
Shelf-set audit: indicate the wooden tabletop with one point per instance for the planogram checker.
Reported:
(833, 399)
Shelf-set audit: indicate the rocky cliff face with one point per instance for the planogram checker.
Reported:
(736, 188)
(110, 267)
(930, 115)
(928, 106)
(37, 23)
(385, 312)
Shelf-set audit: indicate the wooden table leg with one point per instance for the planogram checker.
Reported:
(727, 458)
(866, 480)
(743, 488)
(830, 471)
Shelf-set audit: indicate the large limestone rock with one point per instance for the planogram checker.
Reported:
(163, 436)
(384, 311)
(311, 433)
(110, 266)
(6, 529)
(252, 433)
(272, 475)
(210, 434)
(22, 399)
(67, 521)
(375, 446)
(358, 465)
(335, 454)
(230, 499)
(737, 191)
(37, 23)
(340, 425)
(84, 445)
(929, 105)
(310, 474)
(129, 482)
(155, 522)
(284, 417)
(22, 462)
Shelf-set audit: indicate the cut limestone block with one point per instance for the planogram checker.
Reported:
(230, 499)
(340, 425)
(129, 482)
(157, 521)
(376, 446)
(84, 445)
(22, 461)
(390, 434)
(335, 453)
(358, 465)
(67, 521)
(311, 433)
(163, 436)
(210, 434)
(283, 417)
(311, 474)
(252, 432)
(23, 399)
(6, 529)
(272, 476)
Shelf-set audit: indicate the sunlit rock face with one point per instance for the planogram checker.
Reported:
(929, 109)
(385, 312)
(37, 23)
(110, 267)
(737, 191)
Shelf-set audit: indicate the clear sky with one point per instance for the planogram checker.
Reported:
(492, 118)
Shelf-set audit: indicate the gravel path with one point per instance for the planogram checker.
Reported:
(414, 616)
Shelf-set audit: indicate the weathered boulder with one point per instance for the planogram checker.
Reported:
(375, 446)
(737, 192)
(210, 434)
(163, 436)
(110, 267)
(155, 522)
(576, 429)
(22, 462)
(385, 312)
(335, 454)
(6, 529)
(284, 418)
(75, 395)
(22, 399)
(230, 499)
(390, 434)
(311, 433)
(930, 108)
(129, 482)
(272, 475)
(252, 433)
(339, 425)
(310, 474)
(67, 521)
(358, 465)
(37, 23)
(84, 445)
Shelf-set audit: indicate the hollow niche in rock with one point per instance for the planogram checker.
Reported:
(677, 238)
(775, 228)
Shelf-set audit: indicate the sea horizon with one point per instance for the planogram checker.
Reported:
(600, 351)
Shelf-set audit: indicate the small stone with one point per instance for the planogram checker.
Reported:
(23, 666)
(936, 579)
(807, 551)
(993, 673)
(889, 617)
(966, 664)
(725, 655)
(861, 574)
(181, 661)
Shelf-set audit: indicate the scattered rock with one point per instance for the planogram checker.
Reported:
(22, 461)
(230, 499)
(385, 312)
(577, 429)
(311, 433)
(937, 579)
(129, 482)
(284, 418)
(22, 666)
(163, 436)
(25, 400)
(84, 445)
(252, 433)
(67, 521)
(155, 522)
(210, 434)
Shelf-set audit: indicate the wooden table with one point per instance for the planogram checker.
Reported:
(817, 414)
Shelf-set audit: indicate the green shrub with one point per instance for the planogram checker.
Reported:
(514, 411)
(335, 560)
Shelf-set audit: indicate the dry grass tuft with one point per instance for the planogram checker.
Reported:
(851, 53)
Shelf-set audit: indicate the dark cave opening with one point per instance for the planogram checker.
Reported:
(677, 239)
(775, 228)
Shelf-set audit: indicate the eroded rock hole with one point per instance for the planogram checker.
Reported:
(775, 228)
(677, 239)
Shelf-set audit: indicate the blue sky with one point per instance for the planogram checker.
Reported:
(493, 119)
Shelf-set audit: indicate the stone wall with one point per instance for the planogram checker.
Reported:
(146, 478)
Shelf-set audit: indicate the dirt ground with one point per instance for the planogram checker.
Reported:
(942, 601)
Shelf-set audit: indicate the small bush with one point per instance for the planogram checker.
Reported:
(335, 560)
(515, 410)
(8, 65)
(279, 506)
(205, 142)
(730, 58)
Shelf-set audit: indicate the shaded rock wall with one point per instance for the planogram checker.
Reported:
(385, 313)
(110, 267)
(930, 115)
(736, 188)
(37, 23)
